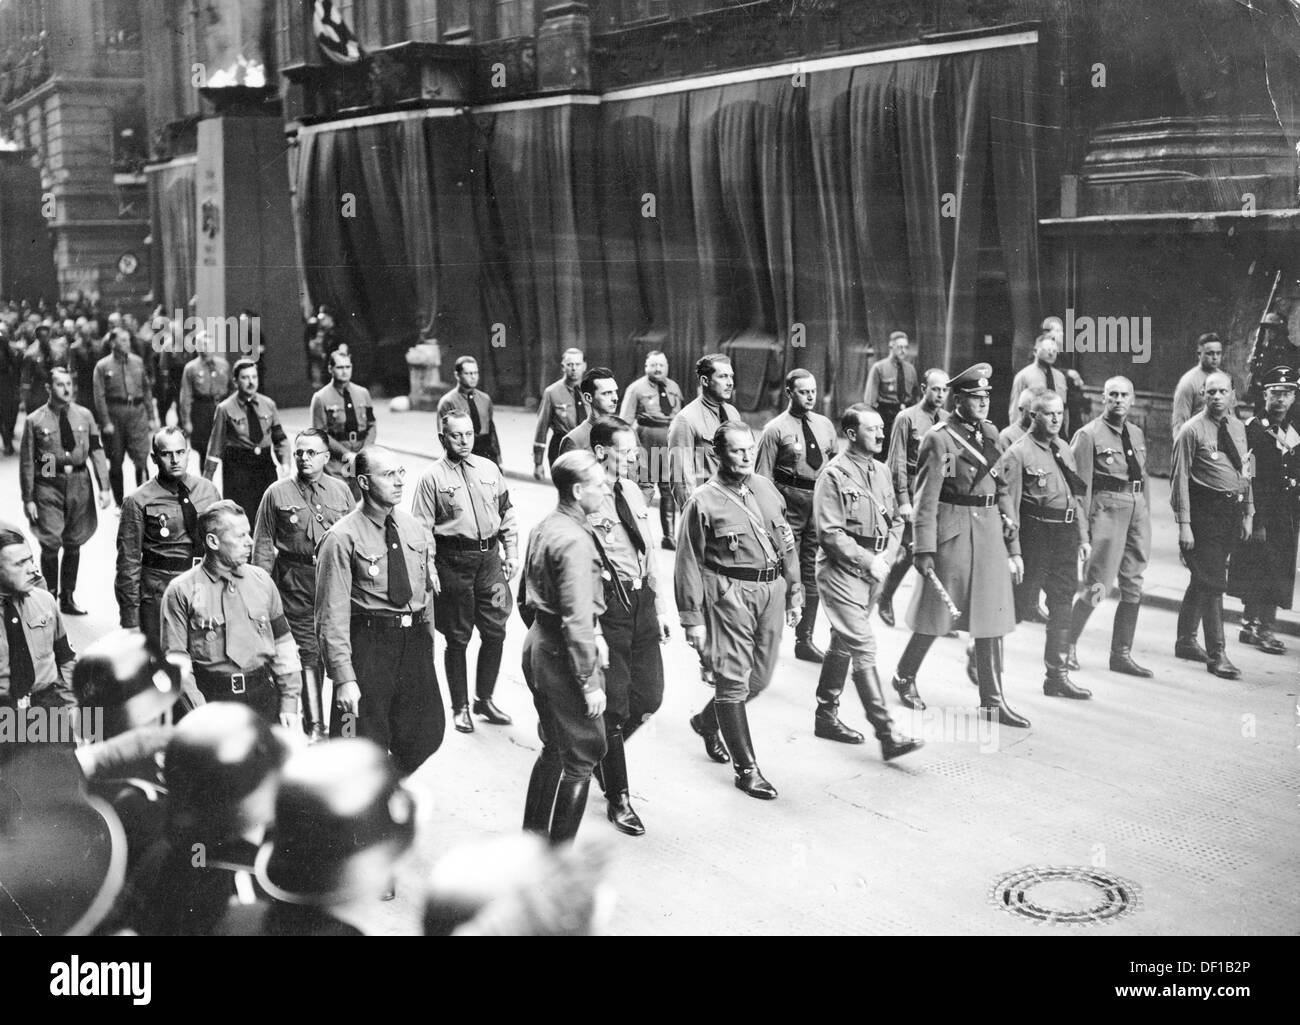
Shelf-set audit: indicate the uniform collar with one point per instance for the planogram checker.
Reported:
(467, 394)
(1044, 445)
(219, 574)
(365, 511)
(247, 400)
(572, 511)
(861, 459)
(342, 389)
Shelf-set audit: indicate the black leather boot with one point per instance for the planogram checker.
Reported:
(1189, 618)
(892, 743)
(668, 521)
(50, 569)
(1267, 641)
(734, 724)
(904, 681)
(804, 648)
(542, 784)
(1121, 642)
(1057, 682)
(68, 580)
(1079, 614)
(830, 685)
(453, 660)
(614, 771)
(485, 681)
(1217, 658)
(570, 806)
(885, 603)
(706, 725)
(986, 664)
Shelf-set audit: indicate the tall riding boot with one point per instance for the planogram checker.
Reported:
(892, 743)
(1189, 618)
(668, 520)
(885, 603)
(1212, 618)
(314, 721)
(904, 681)
(50, 569)
(541, 792)
(830, 685)
(734, 724)
(1121, 641)
(614, 770)
(1078, 620)
(485, 681)
(706, 725)
(68, 571)
(570, 806)
(453, 658)
(1057, 682)
(117, 484)
(986, 665)
(804, 648)
(1267, 641)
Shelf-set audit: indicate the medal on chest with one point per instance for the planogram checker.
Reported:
(163, 530)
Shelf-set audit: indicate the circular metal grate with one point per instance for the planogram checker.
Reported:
(1065, 896)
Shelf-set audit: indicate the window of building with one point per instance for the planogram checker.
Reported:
(422, 20)
(510, 19)
(120, 24)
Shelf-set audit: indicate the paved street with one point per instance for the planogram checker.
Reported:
(1185, 785)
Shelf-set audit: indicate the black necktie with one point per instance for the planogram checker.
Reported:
(1072, 480)
(190, 516)
(66, 438)
(812, 453)
(579, 407)
(626, 518)
(1134, 470)
(665, 405)
(254, 423)
(620, 592)
(473, 414)
(349, 411)
(22, 673)
(1228, 446)
(399, 581)
(1048, 377)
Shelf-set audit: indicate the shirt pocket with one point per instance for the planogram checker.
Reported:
(290, 521)
(370, 567)
(1036, 483)
(335, 414)
(207, 635)
(160, 523)
(729, 538)
(40, 633)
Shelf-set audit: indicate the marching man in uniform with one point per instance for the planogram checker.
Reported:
(244, 430)
(650, 403)
(859, 531)
(967, 552)
(792, 452)
(462, 499)
(125, 408)
(892, 383)
(59, 439)
(346, 413)
(205, 381)
(692, 460)
(475, 403)
(737, 584)
(36, 660)
(561, 410)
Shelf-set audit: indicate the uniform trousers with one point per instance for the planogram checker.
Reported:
(744, 621)
(634, 682)
(130, 437)
(245, 477)
(475, 593)
(1050, 552)
(569, 738)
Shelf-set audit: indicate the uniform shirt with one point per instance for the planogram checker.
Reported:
(628, 562)
(117, 379)
(1034, 376)
(854, 499)
(195, 622)
(202, 381)
(230, 430)
(1098, 451)
(562, 577)
(910, 426)
(41, 452)
(329, 412)
(152, 521)
(457, 400)
(690, 444)
(352, 579)
(1010, 434)
(83, 354)
(1197, 460)
(52, 657)
(735, 526)
(578, 439)
(468, 498)
(891, 383)
(641, 404)
(1189, 398)
(781, 446)
(1033, 479)
(560, 410)
(294, 515)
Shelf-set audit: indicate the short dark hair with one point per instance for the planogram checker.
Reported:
(569, 469)
(166, 432)
(452, 414)
(61, 370)
(705, 365)
(242, 365)
(1209, 336)
(588, 384)
(894, 335)
(313, 432)
(851, 418)
(605, 428)
(211, 518)
(337, 352)
(720, 435)
(462, 360)
(10, 537)
(795, 375)
(925, 378)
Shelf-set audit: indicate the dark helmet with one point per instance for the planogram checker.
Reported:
(120, 671)
(336, 800)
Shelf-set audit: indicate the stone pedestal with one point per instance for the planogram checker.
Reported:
(564, 49)
(424, 361)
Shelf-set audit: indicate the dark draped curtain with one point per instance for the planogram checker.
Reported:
(175, 186)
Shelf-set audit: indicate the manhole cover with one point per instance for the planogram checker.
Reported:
(1069, 896)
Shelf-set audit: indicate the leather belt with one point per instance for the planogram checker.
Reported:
(633, 584)
(456, 543)
(549, 620)
(792, 479)
(759, 576)
(388, 620)
(65, 470)
(979, 501)
(168, 563)
(645, 421)
(871, 544)
(126, 402)
(1101, 482)
(1044, 515)
(296, 558)
(351, 436)
(234, 683)
(1224, 496)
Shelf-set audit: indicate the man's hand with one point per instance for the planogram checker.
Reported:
(905, 510)
(1185, 541)
(879, 568)
(602, 657)
(105, 499)
(595, 703)
(792, 617)
(537, 472)
(1017, 567)
(31, 512)
(1246, 527)
(436, 581)
(697, 637)
(1085, 551)
(665, 628)
(292, 721)
(108, 428)
(924, 563)
(347, 697)
(510, 568)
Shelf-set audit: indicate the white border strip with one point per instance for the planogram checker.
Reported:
(892, 55)
(364, 120)
(167, 165)
(580, 100)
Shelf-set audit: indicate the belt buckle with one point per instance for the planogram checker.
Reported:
(237, 683)
(1138, 487)
(407, 619)
(881, 541)
(1069, 515)
(483, 544)
(67, 469)
(352, 436)
(638, 583)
